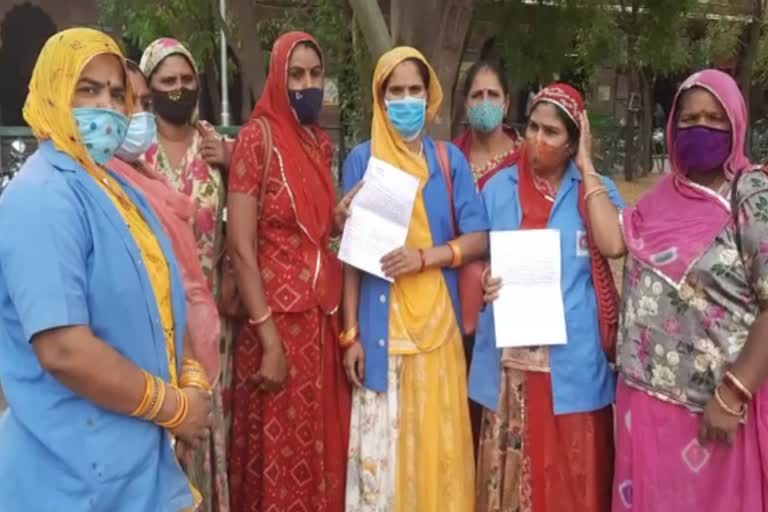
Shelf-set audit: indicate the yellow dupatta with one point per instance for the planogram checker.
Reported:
(421, 313)
(48, 111)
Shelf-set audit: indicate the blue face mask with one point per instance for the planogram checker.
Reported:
(142, 133)
(407, 116)
(101, 130)
(485, 116)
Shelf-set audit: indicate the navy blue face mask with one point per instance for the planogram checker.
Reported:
(307, 103)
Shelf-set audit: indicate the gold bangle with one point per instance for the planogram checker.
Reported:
(266, 316)
(149, 383)
(182, 409)
(349, 342)
(456, 256)
(349, 335)
(594, 175)
(730, 377)
(730, 410)
(193, 375)
(596, 192)
(158, 403)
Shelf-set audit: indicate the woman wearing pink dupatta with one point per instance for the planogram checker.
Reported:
(692, 401)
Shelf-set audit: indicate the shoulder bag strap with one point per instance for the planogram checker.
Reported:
(445, 169)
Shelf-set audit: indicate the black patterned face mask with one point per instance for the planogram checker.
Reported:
(176, 106)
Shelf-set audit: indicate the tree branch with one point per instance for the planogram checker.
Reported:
(374, 28)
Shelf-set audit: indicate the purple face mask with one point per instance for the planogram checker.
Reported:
(701, 148)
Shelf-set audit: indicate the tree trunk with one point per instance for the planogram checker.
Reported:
(748, 59)
(374, 27)
(443, 47)
(243, 15)
(646, 122)
(630, 157)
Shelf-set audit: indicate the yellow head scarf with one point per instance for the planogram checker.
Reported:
(421, 313)
(48, 109)
(386, 143)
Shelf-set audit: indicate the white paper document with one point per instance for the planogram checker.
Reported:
(529, 310)
(380, 215)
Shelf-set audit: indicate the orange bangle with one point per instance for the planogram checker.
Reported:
(182, 409)
(157, 404)
(149, 391)
(740, 387)
(741, 413)
(266, 316)
(349, 337)
(456, 256)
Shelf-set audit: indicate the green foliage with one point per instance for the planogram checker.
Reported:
(656, 36)
(143, 21)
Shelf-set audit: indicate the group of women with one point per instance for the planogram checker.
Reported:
(326, 388)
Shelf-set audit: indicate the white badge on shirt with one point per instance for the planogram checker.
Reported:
(582, 245)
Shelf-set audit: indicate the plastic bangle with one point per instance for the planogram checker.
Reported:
(349, 335)
(740, 387)
(158, 402)
(456, 256)
(182, 409)
(730, 410)
(595, 192)
(149, 391)
(266, 316)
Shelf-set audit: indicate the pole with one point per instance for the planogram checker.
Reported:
(225, 119)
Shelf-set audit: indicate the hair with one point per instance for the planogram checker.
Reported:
(495, 66)
(423, 71)
(133, 67)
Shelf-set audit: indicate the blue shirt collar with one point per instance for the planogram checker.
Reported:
(57, 158)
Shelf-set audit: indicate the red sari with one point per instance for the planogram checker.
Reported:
(289, 448)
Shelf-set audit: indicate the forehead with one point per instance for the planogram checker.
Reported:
(305, 57)
(545, 113)
(405, 74)
(104, 68)
(486, 79)
(175, 64)
(698, 98)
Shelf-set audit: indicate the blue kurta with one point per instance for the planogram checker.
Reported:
(582, 380)
(373, 311)
(67, 258)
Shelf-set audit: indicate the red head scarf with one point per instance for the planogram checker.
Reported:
(564, 97)
(307, 169)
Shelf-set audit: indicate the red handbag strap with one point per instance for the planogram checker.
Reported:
(605, 288)
(445, 168)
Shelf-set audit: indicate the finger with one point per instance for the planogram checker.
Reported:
(360, 370)
(258, 378)
(353, 192)
(702, 434)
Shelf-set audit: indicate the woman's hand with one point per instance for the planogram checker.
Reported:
(342, 211)
(213, 148)
(401, 262)
(491, 286)
(716, 423)
(354, 364)
(274, 366)
(584, 154)
(195, 427)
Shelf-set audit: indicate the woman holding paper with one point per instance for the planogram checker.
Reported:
(691, 400)
(547, 436)
(290, 400)
(411, 444)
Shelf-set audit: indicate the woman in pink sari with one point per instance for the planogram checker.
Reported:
(692, 402)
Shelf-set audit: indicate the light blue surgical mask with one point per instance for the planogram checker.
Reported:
(485, 116)
(101, 130)
(142, 133)
(407, 116)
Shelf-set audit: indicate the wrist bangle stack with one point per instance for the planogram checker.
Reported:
(182, 410)
(740, 413)
(738, 386)
(595, 192)
(193, 375)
